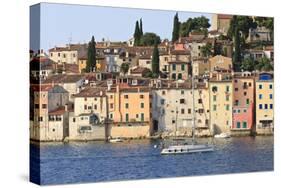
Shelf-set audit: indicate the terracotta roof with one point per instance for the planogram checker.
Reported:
(91, 92)
(180, 52)
(59, 111)
(62, 78)
(224, 16)
(139, 70)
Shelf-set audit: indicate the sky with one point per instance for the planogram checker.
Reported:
(61, 24)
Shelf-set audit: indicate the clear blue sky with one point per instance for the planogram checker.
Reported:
(60, 22)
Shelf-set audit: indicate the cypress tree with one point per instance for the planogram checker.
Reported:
(155, 60)
(137, 34)
(237, 47)
(176, 28)
(91, 61)
(141, 31)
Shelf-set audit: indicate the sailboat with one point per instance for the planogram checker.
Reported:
(185, 148)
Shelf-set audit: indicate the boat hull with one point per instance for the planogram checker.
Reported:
(184, 149)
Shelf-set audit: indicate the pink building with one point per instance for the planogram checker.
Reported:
(243, 101)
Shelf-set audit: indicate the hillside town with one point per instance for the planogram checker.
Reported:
(142, 87)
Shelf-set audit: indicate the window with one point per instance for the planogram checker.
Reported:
(40, 118)
(200, 101)
(260, 106)
(227, 107)
(270, 86)
(126, 96)
(227, 97)
(89, 108)
(174, 76)
(270, 96)
(36, 106)
(238, 111)
(64, 56)
(201, 111)
(111, 96)
(142, 105)
(74, 120)
(247, 101)
(214, 98)
(182, 101)
(179, 76)
(142, 116)
(260, 86)
(51, 54)
(165, 58)
(58, 118)
(163, 92)
(244, 124)
(245, 93)
(173, 121)
(174, 67)
(137, 116)
(111, 105)
(162, 101)
(271, 106)
(59, 54)
(250, 84)
(234, 111)
(236, 89)
(127, 105)
(227, 88)
(265, 106)
(189, 111)
(74, 55)
(260, 96)
(85, 107)
(182, 111)
(244, 110)
(235, 81)
(85, 99)
(182, 92)
(111, 116)
(141, 96)
(95, 107)
(182, 67)
(127, 117)
(236, 102)
(238, 125)
(214, 107)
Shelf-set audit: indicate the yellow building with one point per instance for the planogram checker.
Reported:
(264, 104)
(220, 94)
(129, 110)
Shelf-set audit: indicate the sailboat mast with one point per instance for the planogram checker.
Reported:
(193, 111)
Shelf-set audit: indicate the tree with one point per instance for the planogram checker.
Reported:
(266, 22)
(148, 39)
(263, 64)
(206, 50)
(91, 61)
(176, 28)
(199, 24)
(237, 45)
(243, 23)
(155, 61)
(137, 34)
(141, 31)
(125, 68)
(248, 64)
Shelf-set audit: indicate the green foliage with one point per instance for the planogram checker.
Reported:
(155, 60)
(149, 39)
(248, 64)
(91, 61)
(176, 28)
(243, 23)
(148, 74)
(263, 64)
(194, 24)
(124, 68)
(137, 34)
(141, 31)
(267, 22)
(206, 50)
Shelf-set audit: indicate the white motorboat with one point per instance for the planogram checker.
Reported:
(116, 140)
(194, 147)
(222, 135)
(191, 148)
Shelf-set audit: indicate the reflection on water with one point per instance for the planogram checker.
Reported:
(99, 161)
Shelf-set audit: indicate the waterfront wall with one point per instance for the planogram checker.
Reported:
(135, 131)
